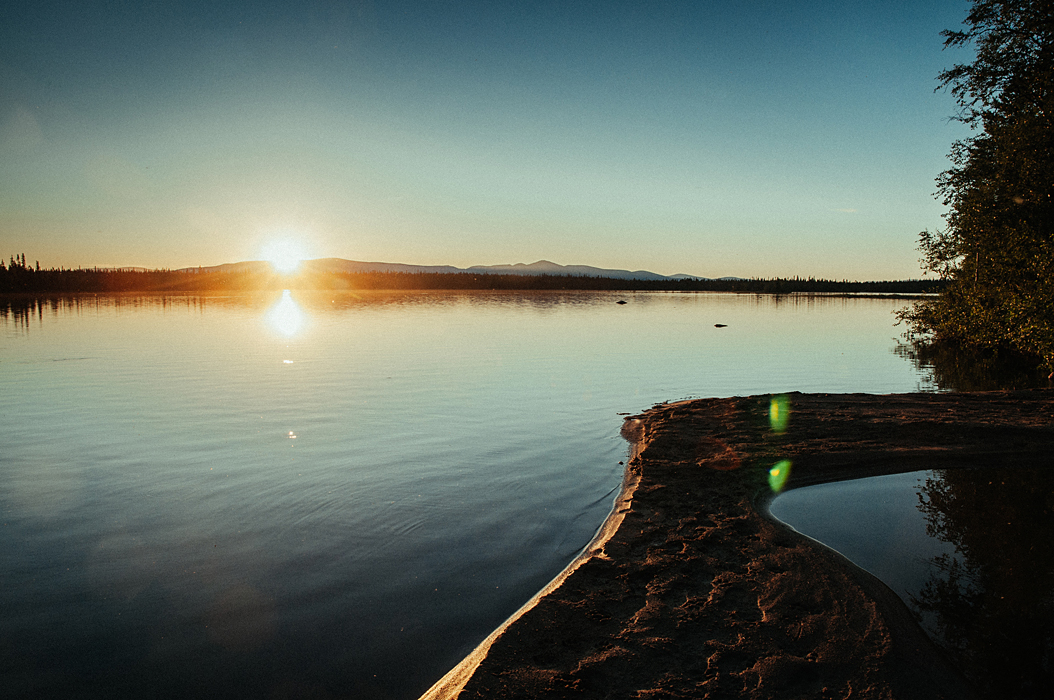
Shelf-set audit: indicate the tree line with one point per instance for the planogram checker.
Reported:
(997, 249)
(17, 277)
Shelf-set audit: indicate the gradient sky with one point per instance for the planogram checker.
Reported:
(711, 138)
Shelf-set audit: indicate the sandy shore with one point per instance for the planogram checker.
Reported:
(692, 590)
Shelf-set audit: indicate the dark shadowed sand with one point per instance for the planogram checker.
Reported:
(693, 591)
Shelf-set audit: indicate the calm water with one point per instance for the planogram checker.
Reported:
(876, 523)
(339, 496)
(971, 552)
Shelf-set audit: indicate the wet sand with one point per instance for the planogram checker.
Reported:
(692, 590)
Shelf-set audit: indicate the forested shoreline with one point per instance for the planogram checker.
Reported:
(19, 278)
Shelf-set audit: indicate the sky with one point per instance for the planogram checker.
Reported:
(755, 139)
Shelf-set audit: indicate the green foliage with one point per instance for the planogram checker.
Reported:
(998, 249)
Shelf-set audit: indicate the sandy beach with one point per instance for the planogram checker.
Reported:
(692, 590)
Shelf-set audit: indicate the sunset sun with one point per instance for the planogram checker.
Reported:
(285, 255)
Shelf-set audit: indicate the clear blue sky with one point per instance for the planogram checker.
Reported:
(711, 138)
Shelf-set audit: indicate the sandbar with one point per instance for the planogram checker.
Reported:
(692, 590)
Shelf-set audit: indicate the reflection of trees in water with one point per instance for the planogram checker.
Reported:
(21, 311)
(25, 311)
(993, 600)
(951, 368)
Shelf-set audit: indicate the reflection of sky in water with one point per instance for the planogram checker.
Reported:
(969, 550)
(875, 522)
(286, 316)
(315, 508)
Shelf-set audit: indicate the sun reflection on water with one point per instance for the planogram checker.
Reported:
(286, 316)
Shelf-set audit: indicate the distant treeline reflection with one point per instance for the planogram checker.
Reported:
(19, 278)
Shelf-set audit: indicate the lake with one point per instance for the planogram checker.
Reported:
(319, 495)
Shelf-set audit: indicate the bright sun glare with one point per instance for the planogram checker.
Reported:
(285, 255)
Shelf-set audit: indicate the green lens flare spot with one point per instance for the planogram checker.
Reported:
(779, 412)
(779, 474)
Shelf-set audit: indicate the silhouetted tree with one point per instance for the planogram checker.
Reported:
(998, 247)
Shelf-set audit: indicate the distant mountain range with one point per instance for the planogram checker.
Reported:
(542, 267)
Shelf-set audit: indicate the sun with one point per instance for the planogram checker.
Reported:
(285, 255)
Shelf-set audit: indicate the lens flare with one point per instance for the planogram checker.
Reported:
(779, 474)
(779, 412)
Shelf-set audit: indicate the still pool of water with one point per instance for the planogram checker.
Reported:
(339, 496)
(875, 523)
(971, 553)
